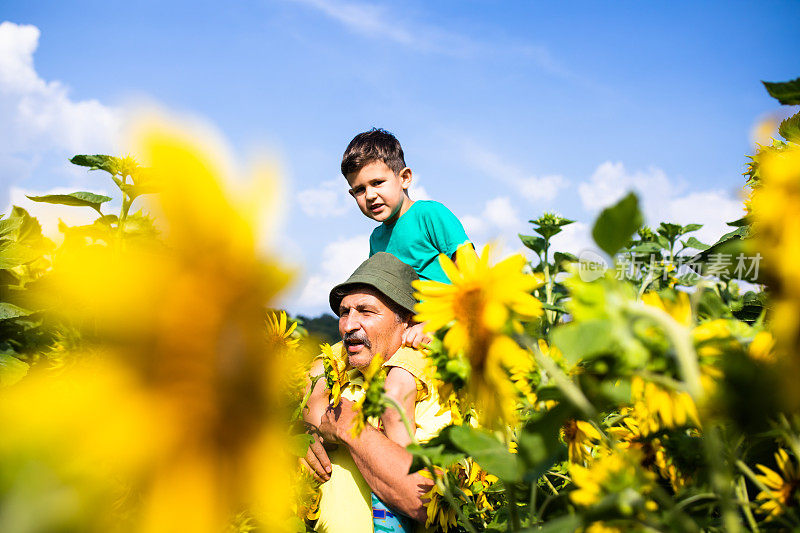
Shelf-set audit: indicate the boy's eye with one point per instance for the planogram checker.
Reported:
(357, 191)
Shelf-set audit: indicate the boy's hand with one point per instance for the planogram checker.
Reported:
(415, 335)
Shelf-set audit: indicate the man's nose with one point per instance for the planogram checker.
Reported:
(350, 323)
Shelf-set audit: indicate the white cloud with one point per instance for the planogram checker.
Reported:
(369, 20)
(663, 199)
(395, 25)
(330, 199)
(416, 191)
(574, 238)
(532, 188)
(611, 181)
(340, 259)
(498, 220)
(39, 119)
(34, 110)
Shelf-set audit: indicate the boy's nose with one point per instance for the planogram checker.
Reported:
(371, 193)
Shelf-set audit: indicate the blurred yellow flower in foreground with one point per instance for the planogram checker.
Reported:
(775, 212)
(177, 407)
(680, 309)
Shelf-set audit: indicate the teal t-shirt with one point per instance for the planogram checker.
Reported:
(417, 238)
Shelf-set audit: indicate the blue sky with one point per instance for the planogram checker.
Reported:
(504, 110)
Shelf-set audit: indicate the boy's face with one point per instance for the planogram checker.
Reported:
(379, 192)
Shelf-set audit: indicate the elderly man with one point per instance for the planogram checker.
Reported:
(375, 307)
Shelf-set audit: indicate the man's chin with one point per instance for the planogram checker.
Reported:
(359, 358)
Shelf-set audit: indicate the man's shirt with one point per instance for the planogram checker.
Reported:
(346, 504)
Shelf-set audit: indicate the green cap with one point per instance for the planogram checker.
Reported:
(386, 274)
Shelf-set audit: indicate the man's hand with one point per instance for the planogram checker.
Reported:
(316, 459)
(337, 420)
(415, 335)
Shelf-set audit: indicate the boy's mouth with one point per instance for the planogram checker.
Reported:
(375, 208)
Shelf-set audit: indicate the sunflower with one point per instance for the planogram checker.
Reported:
(478, 308)
(278, 331)
(371, 403)
(579, 436)
(653, 454)
(335, 376)
(479, 301)
(610, 474)
(656, 408)
(782, 487)
(438, 508)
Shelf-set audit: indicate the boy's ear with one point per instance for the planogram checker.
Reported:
(405, 177)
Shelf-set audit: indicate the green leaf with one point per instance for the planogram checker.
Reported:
(534, 243)
(688, 228)
(645, 248)
(616, 224)
(539, 443)
(790, 128)
(136, 190)
(787, 92)
(562, 524)
(108, 163)
(561, 257)
(488, 452)
(13, 254)
(10, 225)
(298, 444)
(669, 231)
(11, 369)
(8, 310)
(582, 340)
(80, 198)
(436, 454)
(738, 223)
(692, 242)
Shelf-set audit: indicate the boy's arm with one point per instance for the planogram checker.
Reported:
(401, 386)
(415, 335)
(316, 459)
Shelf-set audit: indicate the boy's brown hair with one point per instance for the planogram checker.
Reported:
(374, 145)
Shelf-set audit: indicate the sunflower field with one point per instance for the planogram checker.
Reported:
(146, 385)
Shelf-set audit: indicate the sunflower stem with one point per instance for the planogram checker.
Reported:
(570, 390)
(306, 396)
(744, 502)
(391, 401)
(681, 339)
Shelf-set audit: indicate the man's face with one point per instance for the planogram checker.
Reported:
(368, 327)
(379, 192)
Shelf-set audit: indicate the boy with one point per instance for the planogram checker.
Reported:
(415, 232)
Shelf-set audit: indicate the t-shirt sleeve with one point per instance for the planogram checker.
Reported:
(445, 231)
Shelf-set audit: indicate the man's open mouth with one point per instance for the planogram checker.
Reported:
(354, 343)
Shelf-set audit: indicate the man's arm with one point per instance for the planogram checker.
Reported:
(316, 458)
(383, 463)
